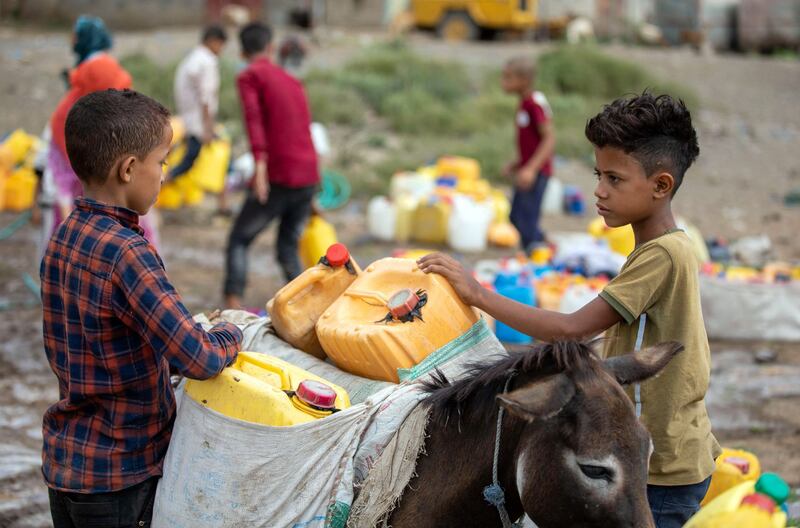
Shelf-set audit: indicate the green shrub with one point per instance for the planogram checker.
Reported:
(586, 71)
(151, 79)
(331, 103)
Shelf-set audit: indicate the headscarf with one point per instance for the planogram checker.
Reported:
(91, 36)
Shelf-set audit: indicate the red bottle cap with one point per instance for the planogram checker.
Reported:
(316, 394)
(742, 464)
(760, 501)
(337, 255)
(402, 303)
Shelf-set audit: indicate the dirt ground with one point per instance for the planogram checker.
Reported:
(749, 126)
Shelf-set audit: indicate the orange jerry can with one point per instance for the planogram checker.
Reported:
(392, 317)
(297, 306)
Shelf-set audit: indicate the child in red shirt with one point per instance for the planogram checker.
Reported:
(277, 118)
(536, 143)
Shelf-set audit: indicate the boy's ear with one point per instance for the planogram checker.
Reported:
(126, 168)
(664, 184)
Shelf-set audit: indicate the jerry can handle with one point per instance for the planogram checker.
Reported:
(364, 296)
(296, 286)
(286, 381)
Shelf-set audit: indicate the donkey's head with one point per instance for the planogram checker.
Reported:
(582, 455)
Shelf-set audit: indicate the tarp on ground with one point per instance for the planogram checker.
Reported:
(737, 310)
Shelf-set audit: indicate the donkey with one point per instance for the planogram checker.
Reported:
(572, 453)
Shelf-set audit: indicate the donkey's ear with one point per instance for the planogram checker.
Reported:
(639, 366)
(539, 400)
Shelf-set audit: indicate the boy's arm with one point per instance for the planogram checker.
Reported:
(544, 325)
(146, 302)
(253, 113)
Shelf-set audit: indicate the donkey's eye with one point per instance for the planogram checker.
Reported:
(597, 472)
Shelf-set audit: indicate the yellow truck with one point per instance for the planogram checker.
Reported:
(469, 19)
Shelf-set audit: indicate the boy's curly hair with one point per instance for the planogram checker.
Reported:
(656, 130)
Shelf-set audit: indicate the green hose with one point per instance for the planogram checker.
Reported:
(335, 190)
(16, 225)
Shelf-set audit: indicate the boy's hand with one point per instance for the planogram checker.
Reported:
(261, 182)
(508, 169)
(526, 177)
(462, 282)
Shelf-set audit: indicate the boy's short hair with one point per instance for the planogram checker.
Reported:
(214, 32)
(522, 67)
(255, 38)
(104, 126)
(655, 130)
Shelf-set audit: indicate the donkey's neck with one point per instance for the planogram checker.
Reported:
(448, 489)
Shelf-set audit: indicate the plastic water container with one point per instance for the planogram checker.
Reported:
(209, 169)
(734, 466)
(381, 218)
(733, 508)
(190, 193)
(178, 129)
(502, 207)
(460, 167)
(468, 226)
(503, 234)
(509, 285)
(431, 221)
(297, 307)
(478, 189)
(170, 197)
(574, 203)
(620, 239)
(415, 184)
(15, 148)
(553, 200)
(406, 209)
(266, 390)
(317, 237)
(393, 316)
(19, 190)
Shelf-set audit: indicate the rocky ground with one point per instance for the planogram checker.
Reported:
(750, 130)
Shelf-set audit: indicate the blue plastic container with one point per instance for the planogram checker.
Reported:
(509, 285)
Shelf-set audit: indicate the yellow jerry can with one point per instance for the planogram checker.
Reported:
(731, 509)
(392, 316)
(431, 221)
(170, 197)
(15, 148)
(460, 167)
(266, 390)
(211, 166)
(317, 237)
(20, 190)
(297, 307)
(620, 239)
(734, 466)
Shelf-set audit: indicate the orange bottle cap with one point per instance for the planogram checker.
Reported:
(337, 255)
(402, 303)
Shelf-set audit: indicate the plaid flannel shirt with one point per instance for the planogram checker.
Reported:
(113, 325)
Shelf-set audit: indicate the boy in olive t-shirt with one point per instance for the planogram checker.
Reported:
(643, 146)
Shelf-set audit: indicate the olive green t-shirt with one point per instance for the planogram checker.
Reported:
(660, 279)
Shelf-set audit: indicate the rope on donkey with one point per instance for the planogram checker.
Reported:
(494, 493)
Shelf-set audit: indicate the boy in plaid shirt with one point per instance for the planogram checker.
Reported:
(113, 323)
